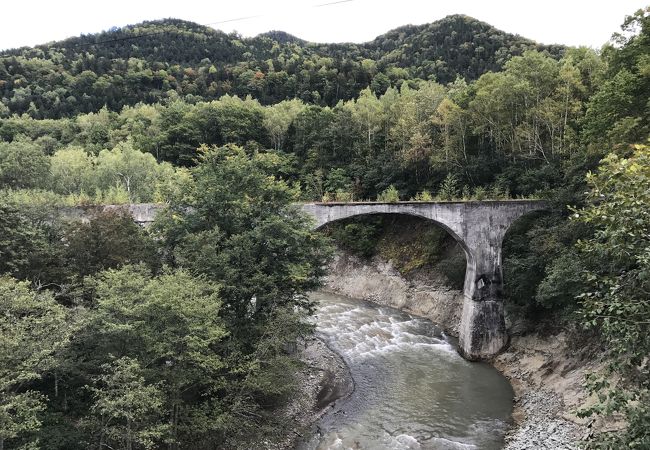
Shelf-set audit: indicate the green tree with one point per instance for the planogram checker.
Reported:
(72, 171)
(23, 165)
(242, 230)
(278, 118)
(616, 290)
(33, 330)
(135, 172)
(453, 123)
(129, 411)
(110, 239)
(389, 195)
(30, 244)
(411, 130)
(449, 189)
(619, 111)
(367, 112)
(171, 325)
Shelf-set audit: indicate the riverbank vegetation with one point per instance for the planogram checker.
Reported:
(173, 337)
(129, 338)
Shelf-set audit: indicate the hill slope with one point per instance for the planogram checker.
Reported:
(152, 61)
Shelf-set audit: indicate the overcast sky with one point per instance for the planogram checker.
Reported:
(571, 22)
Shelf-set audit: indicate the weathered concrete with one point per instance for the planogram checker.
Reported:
(479, 227)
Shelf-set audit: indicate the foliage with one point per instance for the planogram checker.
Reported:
(71, 171)
(449, 188)
(161, 61)
(617, 288)
(357, 236)
(541, 270)
(171, 326)
(618, 112)
(411, 136)
(128, 410)
(241, 230)
(22, 165)
(30, 244)
(133, 171)
(33, 330)
(279, 117)
(423, 196)
(108, 240)
(389, 195)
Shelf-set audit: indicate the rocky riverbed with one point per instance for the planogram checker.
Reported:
(547, 373)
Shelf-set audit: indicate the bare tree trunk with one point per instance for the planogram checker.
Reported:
(129, 439)
(101, 440)
(566, 117)
(174, 423)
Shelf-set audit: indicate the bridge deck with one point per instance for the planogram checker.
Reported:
(437, 202)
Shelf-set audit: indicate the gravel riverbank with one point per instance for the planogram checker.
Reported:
(547, 376)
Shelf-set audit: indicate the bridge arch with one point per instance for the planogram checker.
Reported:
(468, 254)
(479, 227)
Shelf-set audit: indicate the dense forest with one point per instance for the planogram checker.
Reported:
(171, 59)
(119, 337)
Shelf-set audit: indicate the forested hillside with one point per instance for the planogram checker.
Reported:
(105, 337)
(171, 59)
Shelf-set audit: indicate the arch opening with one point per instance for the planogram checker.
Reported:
(400, 260)
(360, 217)
(479, 229)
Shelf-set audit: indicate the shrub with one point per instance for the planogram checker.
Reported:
(423, 196)
(449, 188)
(342, 196)
(389, 195)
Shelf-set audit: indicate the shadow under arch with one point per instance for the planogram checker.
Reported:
(469, 257)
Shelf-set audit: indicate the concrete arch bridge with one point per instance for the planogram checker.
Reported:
(478, 226)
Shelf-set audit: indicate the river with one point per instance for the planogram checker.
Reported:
(412, 389)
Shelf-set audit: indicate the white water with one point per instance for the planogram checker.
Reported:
(412, 389)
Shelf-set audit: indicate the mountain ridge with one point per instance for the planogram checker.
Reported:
(157, 60)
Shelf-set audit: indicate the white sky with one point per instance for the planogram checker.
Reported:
(571, 22)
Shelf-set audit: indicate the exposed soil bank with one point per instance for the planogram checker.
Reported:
(424, 293)
(546, 372)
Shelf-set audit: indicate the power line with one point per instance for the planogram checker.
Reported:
(332, 3)
(238, 19)
(234, 20)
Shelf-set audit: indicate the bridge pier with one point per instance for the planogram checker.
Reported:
(482, 331)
